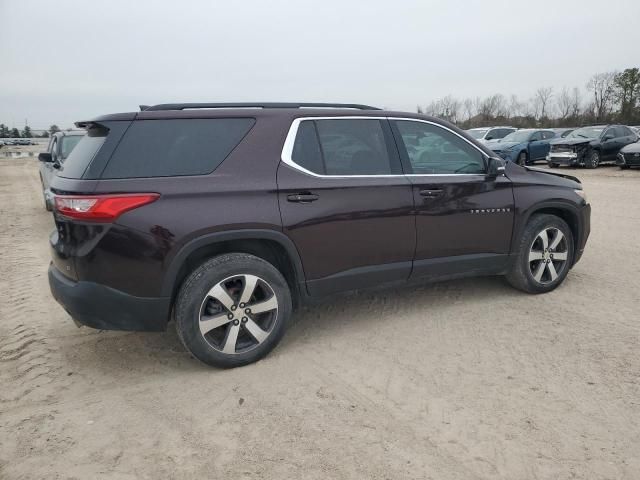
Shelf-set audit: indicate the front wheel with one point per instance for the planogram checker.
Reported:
(232, 310)
(522, 158)
(545, 255)
(554, 165)
(594, 160)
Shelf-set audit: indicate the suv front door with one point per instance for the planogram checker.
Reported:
(345, 203)
(464, 218)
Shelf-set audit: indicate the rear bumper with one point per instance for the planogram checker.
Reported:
(104, 308)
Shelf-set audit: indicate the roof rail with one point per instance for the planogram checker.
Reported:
(185, 106)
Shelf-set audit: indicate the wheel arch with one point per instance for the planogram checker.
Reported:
(270, 245)
(564, 210)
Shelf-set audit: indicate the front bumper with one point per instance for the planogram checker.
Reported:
(104, 308)
(585, 214)
(562, 158)
(628, 159)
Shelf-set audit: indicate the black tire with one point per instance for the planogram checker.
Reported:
(192, 298)
(554, 165)
(522, 159)
(624, 167)
(594, 159)
(520, 275)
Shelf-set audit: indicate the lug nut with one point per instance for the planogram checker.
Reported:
(244, 319)
(233, 307)
(236, 322)
(230, 316)
(248, 310)
(242, 305)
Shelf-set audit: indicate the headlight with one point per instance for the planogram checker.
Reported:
(581, 194)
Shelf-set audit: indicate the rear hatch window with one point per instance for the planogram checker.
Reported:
(82, 155)
(164, 148)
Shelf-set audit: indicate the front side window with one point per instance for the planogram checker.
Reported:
(433, 150)
(536, 136)
(342, 147)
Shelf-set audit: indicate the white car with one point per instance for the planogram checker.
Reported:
(485, 134)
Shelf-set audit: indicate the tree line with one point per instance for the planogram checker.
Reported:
(609, 97)
(6, 132)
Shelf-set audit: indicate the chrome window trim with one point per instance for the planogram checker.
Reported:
(287, 150)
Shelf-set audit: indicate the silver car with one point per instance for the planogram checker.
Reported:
(60, 146)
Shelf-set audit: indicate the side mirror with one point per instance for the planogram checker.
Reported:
(496, 167)
(45, 157)
(488, 137)
(608, 136)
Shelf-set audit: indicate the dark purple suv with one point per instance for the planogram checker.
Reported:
(225, 217)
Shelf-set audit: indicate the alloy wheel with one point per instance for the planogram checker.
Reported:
(238, 314)
(548, 255)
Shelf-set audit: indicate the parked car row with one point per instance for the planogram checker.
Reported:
(17, 141)
(586, 147)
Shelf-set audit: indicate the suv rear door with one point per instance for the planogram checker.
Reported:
(464, 218)
(345, 203)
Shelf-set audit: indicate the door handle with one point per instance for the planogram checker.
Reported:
(431, 193)
(302, 197)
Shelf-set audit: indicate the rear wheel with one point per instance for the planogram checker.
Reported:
(545, 255)
(624, 167)
(594, 159)
(522, 158)
(233, 310)
(554, 165)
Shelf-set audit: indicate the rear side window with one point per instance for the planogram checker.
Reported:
(164, 148)
(82, 154)
(342, 147)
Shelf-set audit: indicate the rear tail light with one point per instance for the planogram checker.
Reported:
(101, 208)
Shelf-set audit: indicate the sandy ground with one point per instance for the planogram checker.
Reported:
(461, 380)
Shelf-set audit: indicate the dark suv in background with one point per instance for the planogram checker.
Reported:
(590, 146)
(226, 217)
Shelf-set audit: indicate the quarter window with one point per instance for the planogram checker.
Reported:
(164, 148)
(342, 147)
(433, 150)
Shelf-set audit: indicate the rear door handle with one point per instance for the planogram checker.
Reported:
(431, 193)
(302, 197)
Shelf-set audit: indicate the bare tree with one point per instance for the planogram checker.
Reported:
(492, 107)
(516, 108)
(541, 101)
(563, 103)
(601, 85)
(469, 109)
(576, 102)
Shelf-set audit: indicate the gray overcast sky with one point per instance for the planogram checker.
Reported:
(66, 60)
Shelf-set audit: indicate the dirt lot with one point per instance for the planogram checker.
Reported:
(462, 380)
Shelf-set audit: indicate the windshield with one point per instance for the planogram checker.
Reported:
(518, 137)
(68, 144)
(477, 134)
(586, 132)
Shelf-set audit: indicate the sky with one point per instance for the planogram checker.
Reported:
(67, 60)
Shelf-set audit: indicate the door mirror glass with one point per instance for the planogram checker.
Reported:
(45, 157)
(608, 136)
